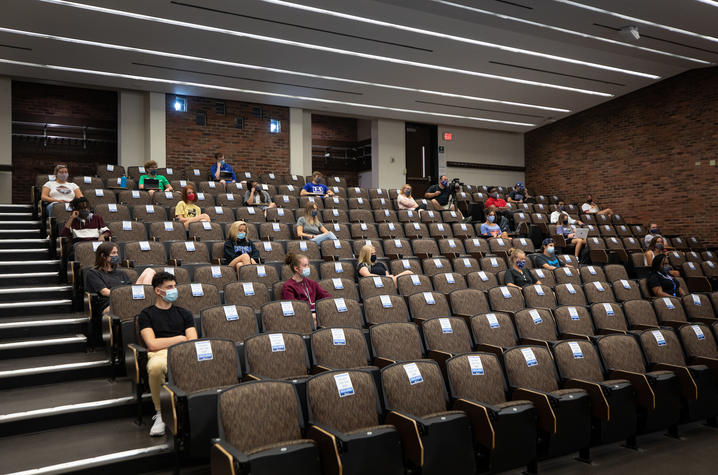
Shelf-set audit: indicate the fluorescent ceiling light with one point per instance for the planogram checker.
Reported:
(570, 32)
(712, 3)
(328, 49)
(275, 70)
(638, 20)
(259, 93)
(460, 39)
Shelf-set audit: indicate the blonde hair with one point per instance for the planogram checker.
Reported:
(404, 186)
(308, 208)
(234, 229)
(515, 253)
(365, 254)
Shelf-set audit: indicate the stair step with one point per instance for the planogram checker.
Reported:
(37, 370)
(24, 243)
(107, 447)
(20, 233)
(15, 208)
(21, 254)
(37, 346)
(35, 307)
(28, 278)
(20, 224)
(36, 265)
(43, 325)
(30, 294)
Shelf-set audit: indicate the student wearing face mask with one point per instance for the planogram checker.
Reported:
(84, 225)
(518, 274)
(368, 266)
(309, 226)
(316, 187)
(238, 249)
(256, 196)
(151, 169)
(104, 276)
(187, 210)
(490, 227)
(653, 232)
(591, 207)
(300, 286)
(568, 232)
(439, 194)
(161, 326)
(553, 218)
(548, 259)
(405, 201)
(59, 190)
(660, 280)
(221, 170)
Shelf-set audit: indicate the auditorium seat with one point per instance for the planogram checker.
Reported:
(271, 251)
(206, 231)
(396, 341)
(340, 348)
(481, 280)
(397, 266)
(434, 265)
(336, 249)
(339, 312)
(698, 308)
(337, 269)
(145, 253)
(425, 305)
(546, 277)
(219, 276)
(467, 302)
(598, 292)
(572, 320)
(194, 297)
(397, 248)
(266, 274)
(570, 294)
(385, 309)
(447, 282)
(445, 337)
(539, 296)
(287, 316)
(149, 213)
(223, 214)
(506, 299)
(376, 285)
(537, 326)
(233, 322)
(167, 231)
(124, 231)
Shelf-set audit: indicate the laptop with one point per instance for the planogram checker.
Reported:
(151, 184)
(225, 174)
(581, 233)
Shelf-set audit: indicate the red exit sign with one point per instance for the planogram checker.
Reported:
(448, 136)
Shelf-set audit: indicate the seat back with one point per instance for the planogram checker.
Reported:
(465, 265)
(396, 341)
(265, 274)
(481, 280)
(167, 231)
(425, 305)
(406, 395)
(625, 290)
(567, 275)
(259, 414)
(338, 270)
(206, 231)
(125, 231)
(698, 341)
(572, 319)
(251, 294)
(536, 323)
(339, 348)
(494, 329)
(234, 322)
(531, 367)
(592, 274)
(385, 309)
(539, 296)
(276, 355)
(219, 276)
(493, 264)
(328, 408)
(127, 301)
(375, 285)
(287, 316)
(621, 352)
(583, 364)
(506, 299)
(190, 252)
(608, 316)
(598, 292)
(339, 312)
(615, 272)
(195, 297)
(448, 282)
(640, 312)
(698, 306)
(669, 309)
(570, 294)
(468, 302)
(412, 283)
(447, 334)
(193, 369)
(662, 346)
(464, 382)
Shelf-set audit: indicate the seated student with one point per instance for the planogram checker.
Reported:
(105, 275)
(84, 225)
(299, 286)
(316, 187)
(151, 169)
(519, 194)
(655, 248)
(653, 231)
(367, 265)
(553, 218)
(309, 226)
(439, 194)
(518, 275)
(186, 210)
(591, 207)
(238, 249)
(61, 190)
(489, 228)
(255, 196)
(221, 171)
(660, 280)
(569, 234)
(493, 201)
(161, 326)
(405, 201)
(547, 259)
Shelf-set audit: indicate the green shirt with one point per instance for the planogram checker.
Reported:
(164, 183)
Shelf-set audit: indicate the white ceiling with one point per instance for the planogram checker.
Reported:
(444, 58)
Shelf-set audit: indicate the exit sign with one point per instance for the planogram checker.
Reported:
(448, 136)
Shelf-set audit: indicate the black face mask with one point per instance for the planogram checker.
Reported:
(373, 258)
(85, 213)
(565, 222)
(589, 201)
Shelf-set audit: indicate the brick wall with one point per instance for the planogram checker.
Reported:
(339, 132)
(42, 103)
(251, 148)
(647, 155)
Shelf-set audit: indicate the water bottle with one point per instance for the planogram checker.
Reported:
(123, 181)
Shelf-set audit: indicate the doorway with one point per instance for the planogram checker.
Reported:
(422, 159)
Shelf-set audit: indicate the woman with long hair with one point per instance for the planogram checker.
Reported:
(187, 210)
(368, 266)
(309, 226)
(238, 249)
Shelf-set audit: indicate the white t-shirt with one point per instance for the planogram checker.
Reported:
(61, 191)
(555, 215)
(589, 208)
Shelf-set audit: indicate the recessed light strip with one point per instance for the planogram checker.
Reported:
(712, 3)
(328, 49)
(274, 70)
(570, 32)
(253, 92)
(460, 39)
(638, 20)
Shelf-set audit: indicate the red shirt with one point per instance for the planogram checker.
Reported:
(306, 290)
(498, 202)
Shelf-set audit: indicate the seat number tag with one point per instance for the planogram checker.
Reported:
(413, 373)
(577, 353)
(477, 368)
(529, 356)
(204, 350)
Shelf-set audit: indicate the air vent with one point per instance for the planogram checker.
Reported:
(219, 108)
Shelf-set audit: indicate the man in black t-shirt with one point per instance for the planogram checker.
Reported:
(439, 194)
(161, 326)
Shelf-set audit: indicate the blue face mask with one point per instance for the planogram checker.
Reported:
(407, 192)
(315, 212)
(373, 257)
(241, 236)
(444, 183)
(222, 162)
(550, 250)
(170, 295)
(114, 260)
(654, 231)
(491, 219)
(666, 270)
(153, 172)
(306, 272)
(520, 264)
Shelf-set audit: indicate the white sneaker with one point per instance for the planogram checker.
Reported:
(158, 427)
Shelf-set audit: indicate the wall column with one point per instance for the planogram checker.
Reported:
(300, 142)
(155, 137)
(5, 140)
(388, 153)
(131, 128)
